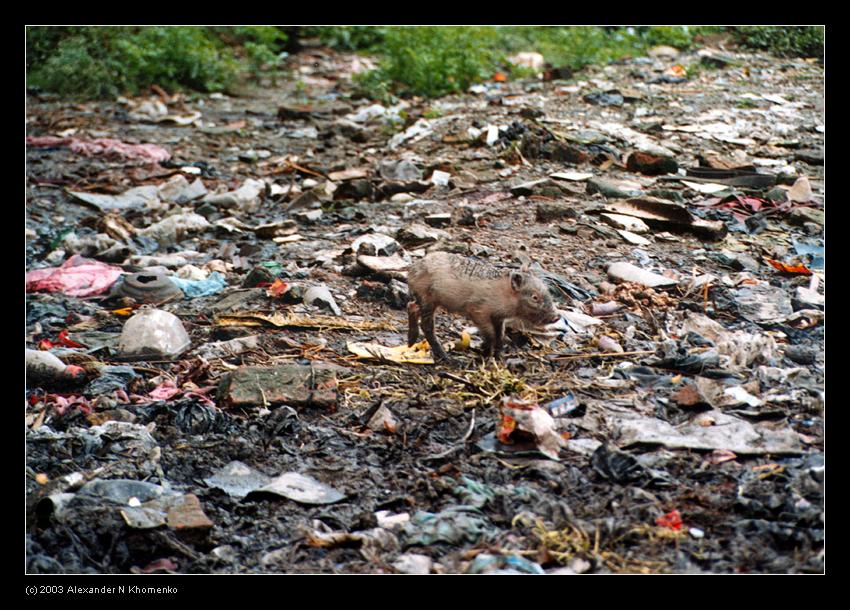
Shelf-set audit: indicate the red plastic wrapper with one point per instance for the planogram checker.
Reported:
(802, 269)
(673, 520)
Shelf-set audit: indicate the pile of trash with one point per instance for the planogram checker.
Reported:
(217, 327)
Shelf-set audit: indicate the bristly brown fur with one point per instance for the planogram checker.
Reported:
(484, 294)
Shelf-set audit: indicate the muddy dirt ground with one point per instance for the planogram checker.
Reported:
(691, 434)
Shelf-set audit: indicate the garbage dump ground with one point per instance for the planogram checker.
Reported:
(218, 375)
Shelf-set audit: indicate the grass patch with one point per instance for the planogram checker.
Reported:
(435, 61)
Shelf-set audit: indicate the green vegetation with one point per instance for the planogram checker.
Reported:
(434, 61)
(427, 61)
(577, 47)
(349, 38)
(787, 41)
(99, 62)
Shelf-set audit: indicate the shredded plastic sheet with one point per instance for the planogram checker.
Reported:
(418, 353)
(281, 320)
(76, 277)
(149, 153)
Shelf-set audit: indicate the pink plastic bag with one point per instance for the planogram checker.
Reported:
(77, 277)
(150, 153)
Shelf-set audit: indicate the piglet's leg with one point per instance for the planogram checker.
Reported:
(498, 333)
(413, 312)
(428, 330)
(488, 332)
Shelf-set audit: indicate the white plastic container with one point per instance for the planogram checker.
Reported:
(153, 334)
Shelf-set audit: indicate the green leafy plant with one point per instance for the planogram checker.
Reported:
(787, 41)
(262, 59)
(349, 38)
(107, 61)
(434, 61)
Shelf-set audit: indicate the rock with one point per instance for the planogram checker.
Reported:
(411, 563)
(355, 189)
(806, 299)
(417, 235)
(439, 178)
(810, 156)
(663, 52)
(308, 199)
(527, 188)
(400, 171)
(291, 384)
(651, 165)
(383, 264)
(547, 211)
(349, 174)
(629, 223)
(763, 303)
(712, 60)
(438, 220)
(633, 238)
(801, 191)
(777, 194)
(321, 297)
(351, 130)
(309, 217)
(799, 354)
(604, 98)
(614, 188)
(247, 197)
(690, 397)
(375, 244)
(281, 228)
(243, 300)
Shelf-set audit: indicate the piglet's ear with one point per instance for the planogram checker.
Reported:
(524, 268)
(517, 280)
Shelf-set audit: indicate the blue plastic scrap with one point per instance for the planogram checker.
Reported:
(816, 253)
(201, 288)
(562, 406)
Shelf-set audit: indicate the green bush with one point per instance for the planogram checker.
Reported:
(434, 61)
(349, 38)
(787, 41)
(108, 61)
(271, 37)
